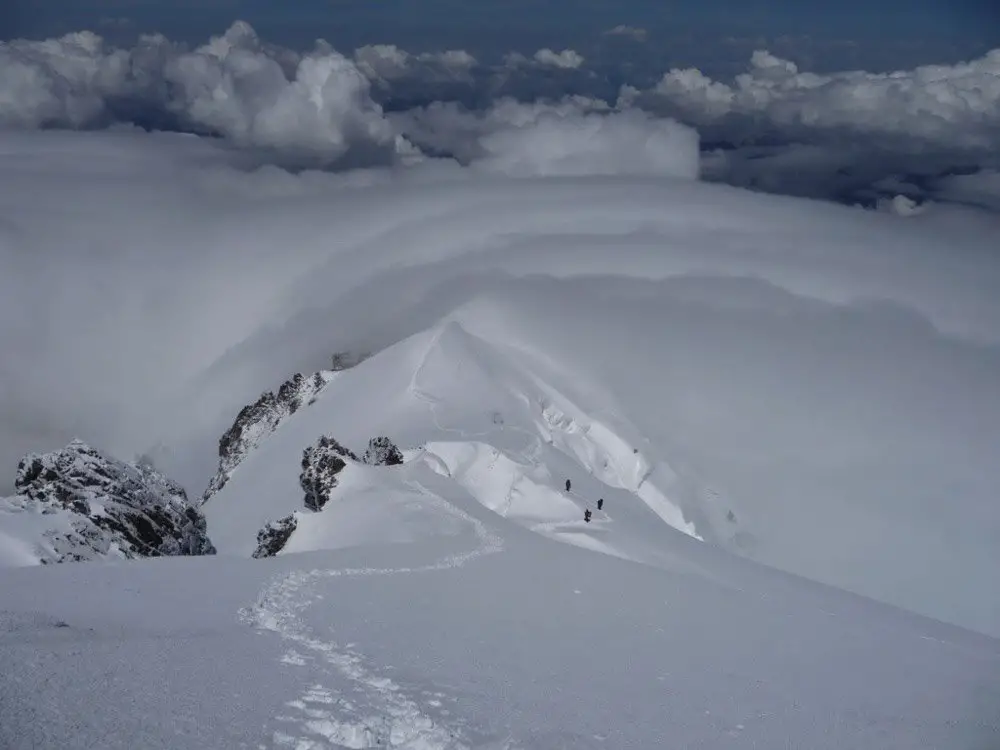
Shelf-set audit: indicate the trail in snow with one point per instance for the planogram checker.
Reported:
(379, 713)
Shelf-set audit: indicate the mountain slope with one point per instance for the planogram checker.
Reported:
(524, 388)
(469, 631)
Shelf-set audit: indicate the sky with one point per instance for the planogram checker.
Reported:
(894, 32)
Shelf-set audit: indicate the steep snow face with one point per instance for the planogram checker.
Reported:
(77, 504)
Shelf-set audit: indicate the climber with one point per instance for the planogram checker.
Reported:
(567, 485)
(586, 515)
(600, 503)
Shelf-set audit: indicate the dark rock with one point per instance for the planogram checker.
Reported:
(321, 463)
(109, 508)
(258, 420)
(273, 537)
(382, 452)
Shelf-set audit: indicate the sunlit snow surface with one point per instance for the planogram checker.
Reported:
(739, 376)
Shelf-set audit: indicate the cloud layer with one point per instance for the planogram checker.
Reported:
(954, 107)
(576, 136)
(842, 136)
(234, 86)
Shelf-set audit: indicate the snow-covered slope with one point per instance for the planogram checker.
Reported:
(77, 504)
(440, 625)
(513, 394)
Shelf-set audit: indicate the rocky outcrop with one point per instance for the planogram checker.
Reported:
(321, 463)
(273, 537)
(382, 452)
(259, 419)
(79, 504)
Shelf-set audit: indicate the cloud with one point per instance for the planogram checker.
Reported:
(620, 143)
(255, 95)
(981, 188)
(567, 59)
(842, 136)
(574, 136)
(955, 107)
(635, 33)
(387, 63)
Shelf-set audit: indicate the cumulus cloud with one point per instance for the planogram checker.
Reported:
(636, 33)
(935, 106)
(450, 128)
(574, 136)
(234, 86)
(620, 143)
(567, 59)
(386, 63)
(775, 127)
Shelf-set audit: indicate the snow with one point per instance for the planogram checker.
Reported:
(506, 414)
(488, 638)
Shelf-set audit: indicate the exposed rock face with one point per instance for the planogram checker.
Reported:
(259, 419)
(273, 537)
(321, 463)
(382, 452)
(82, 505)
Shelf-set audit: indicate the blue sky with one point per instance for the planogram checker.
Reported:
(890, 32)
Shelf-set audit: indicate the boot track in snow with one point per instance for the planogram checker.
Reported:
(389, 718)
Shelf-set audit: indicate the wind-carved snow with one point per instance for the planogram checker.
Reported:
(380, 713)
(523, 422)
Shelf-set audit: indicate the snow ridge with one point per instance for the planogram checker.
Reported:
(389, 718)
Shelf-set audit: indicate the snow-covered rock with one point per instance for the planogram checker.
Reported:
(321, 463)
(78, 504)
(259, 419)
(273, 537)
(382, 451)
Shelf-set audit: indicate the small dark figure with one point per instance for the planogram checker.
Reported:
(586, 515)
(567, 485)
(600, 503)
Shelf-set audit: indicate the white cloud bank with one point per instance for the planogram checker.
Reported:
(235, 86)
(935, 106)
(320, 103)
(575, 136)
